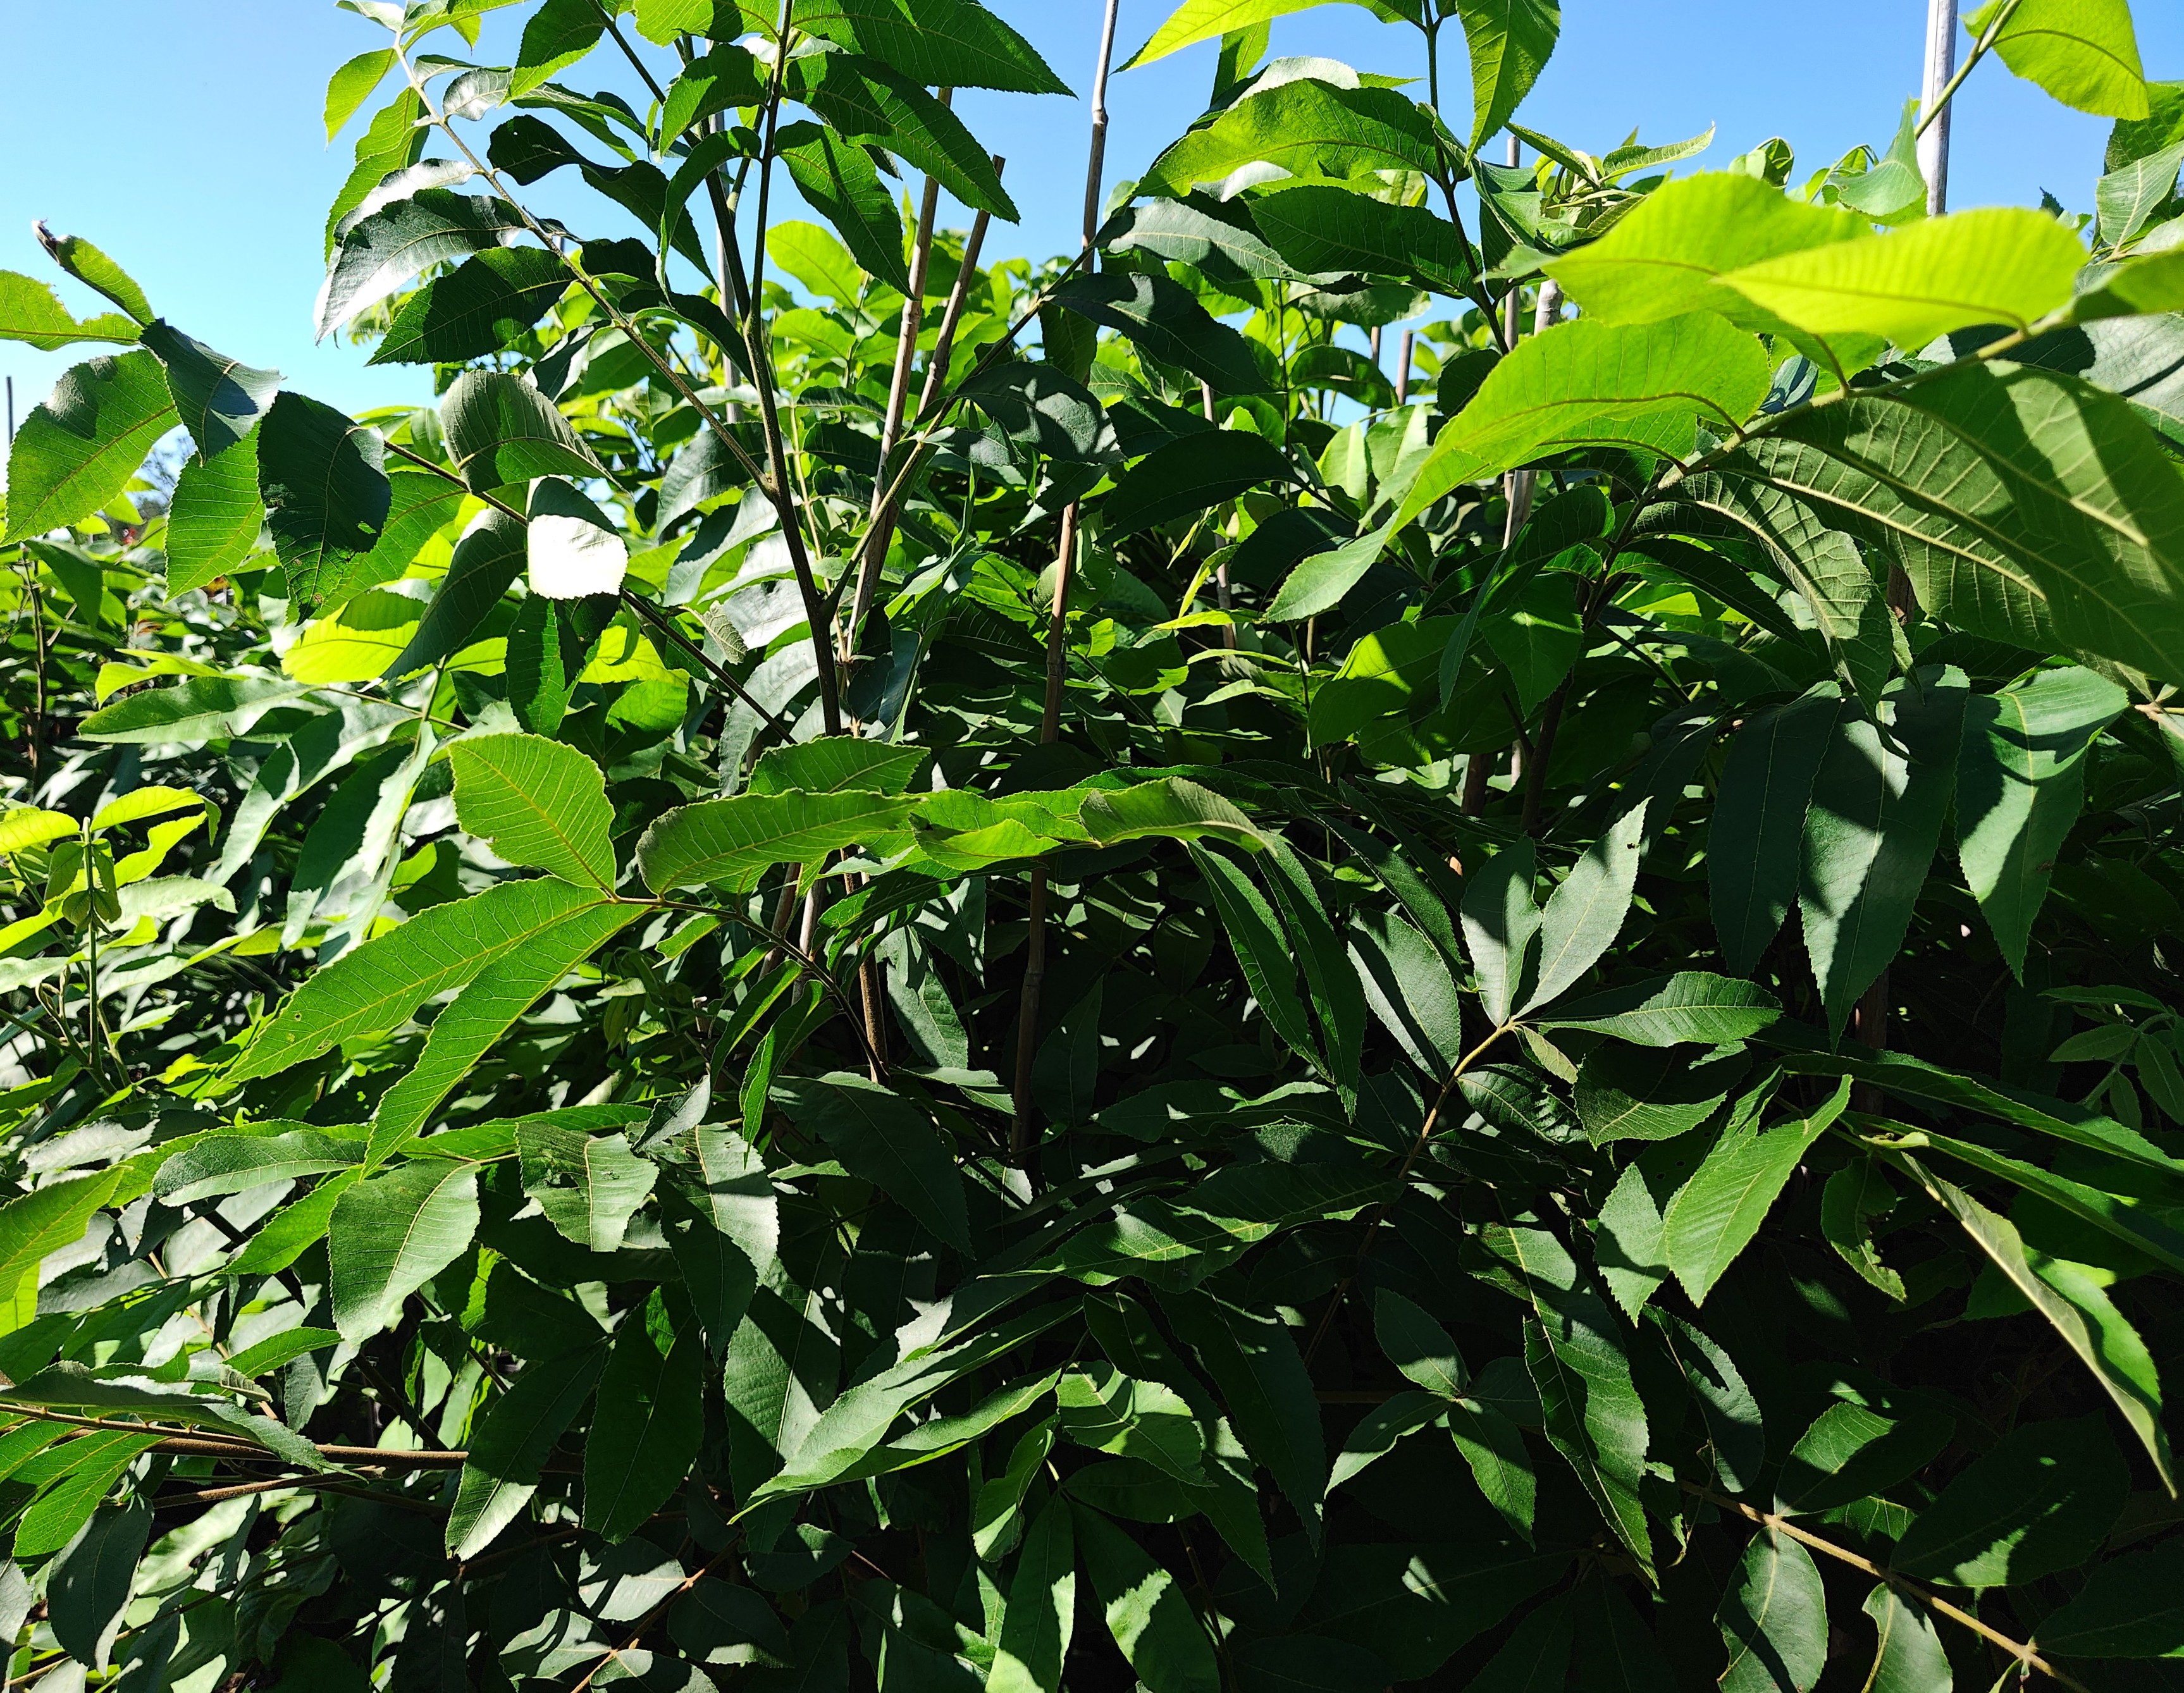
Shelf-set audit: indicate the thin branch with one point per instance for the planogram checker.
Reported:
(2021, 1651)
(660, 621)
(1986, 40)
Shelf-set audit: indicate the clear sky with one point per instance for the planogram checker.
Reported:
(188, 142)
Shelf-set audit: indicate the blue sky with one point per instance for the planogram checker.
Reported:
(187, 140)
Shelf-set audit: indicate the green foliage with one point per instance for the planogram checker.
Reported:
(1059, 997)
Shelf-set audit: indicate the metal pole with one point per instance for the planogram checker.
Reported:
(11, 414)
(1940, 66)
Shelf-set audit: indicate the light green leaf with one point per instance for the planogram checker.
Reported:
(1307, 128)
(41, 1222)
(2000, 264)
(1585, 913)
(485, 1011)
(352, 84)
(559, 33)
(510, 1444)
(2020, 785)
(1715, 1215)
(95, 270)
(1667, 1011)
(1151, 1619)
(1266, 1389)
(31, 312)
(2084, 52)
(651, 1418)
(1773, 1619)
(1647, 385)
(214, 521)
(1321, 581)
(392, 1234)
(78, 450)
(1204, 20)
(372, 988)
(1511, 41)
(1661, 260)
(538, 802)
(737, 839)
(1627, 1246)
(234, 1163)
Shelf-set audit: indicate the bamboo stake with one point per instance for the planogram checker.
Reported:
(1050, 728)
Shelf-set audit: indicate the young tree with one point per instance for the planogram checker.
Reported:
(987, 974)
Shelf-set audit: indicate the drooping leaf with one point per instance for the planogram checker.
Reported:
(588, 1185)
(215, 519)
(1166, 320)
(2084, 52)
(1042, 1606)
(2041, 1499)
(31, 312)
(502, 430)
(475, 310)
(1871, 827)
(1691, 1006)
(1647, 385)
(956, 42)
(384, 251)
(651, 1417)
(510, 1445)
(327, 497)
(1585, 912)
(1147, 1614)
(1773, 1619)
(1758, 823)
(2020, 785)
(2040, 512)
(218, 399)
(373, 988)
(2129, 1608)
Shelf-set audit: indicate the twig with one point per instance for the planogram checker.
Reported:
(881, 529)
(660, 621)
(2019, 1650)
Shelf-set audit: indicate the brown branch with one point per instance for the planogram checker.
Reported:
(2019, 1650)
(881, 529)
